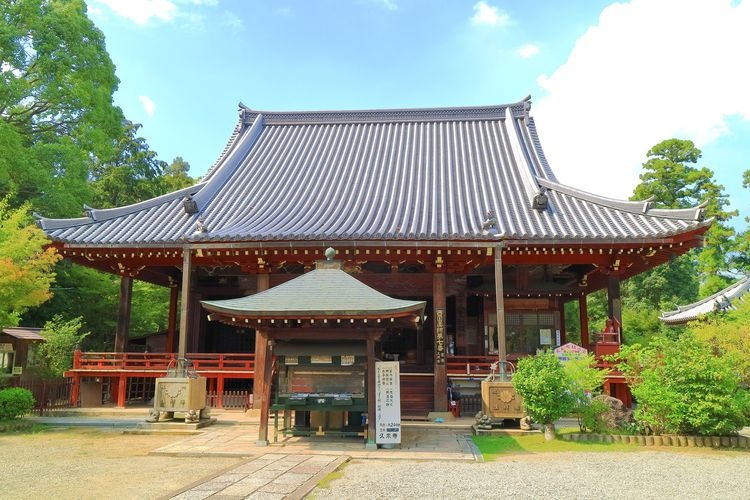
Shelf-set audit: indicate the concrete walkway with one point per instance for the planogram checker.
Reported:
(269, 476)
(422, 442)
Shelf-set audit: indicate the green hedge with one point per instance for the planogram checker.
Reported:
(15, 402)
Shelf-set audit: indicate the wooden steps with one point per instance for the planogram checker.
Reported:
(417, 397)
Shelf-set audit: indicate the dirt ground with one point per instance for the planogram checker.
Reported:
(90, 463)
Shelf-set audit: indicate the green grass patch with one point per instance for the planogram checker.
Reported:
(19, 425)
(332, 476)
(495, 446)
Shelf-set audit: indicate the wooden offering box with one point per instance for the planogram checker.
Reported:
(500, 400)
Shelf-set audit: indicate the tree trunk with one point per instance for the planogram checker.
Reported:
(549, 432)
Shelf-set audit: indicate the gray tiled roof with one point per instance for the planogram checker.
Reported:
(318, 293)
(443, 174)
(720, 301)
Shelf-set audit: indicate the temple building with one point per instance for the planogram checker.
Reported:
(721, 301)
(454, 207)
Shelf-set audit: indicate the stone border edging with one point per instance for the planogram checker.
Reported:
(663, 440)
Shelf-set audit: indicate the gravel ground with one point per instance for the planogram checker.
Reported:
(652, 474)
(82, 463)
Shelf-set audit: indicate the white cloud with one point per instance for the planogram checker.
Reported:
(233, 20)
(528, 50)
(386, 4)
(648, 71)
(141, 11)
(486, 14)
(148, 105)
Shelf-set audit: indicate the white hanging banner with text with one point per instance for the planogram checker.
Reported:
(387, 403)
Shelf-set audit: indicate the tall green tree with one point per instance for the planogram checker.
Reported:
(25, 265)
(176, 175)
(670, 177)
(56, 110)
(131, 174)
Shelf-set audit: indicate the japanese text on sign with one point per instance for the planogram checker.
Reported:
(440, 336)
(387, 403)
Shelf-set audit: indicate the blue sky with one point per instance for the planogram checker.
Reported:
(608, 80)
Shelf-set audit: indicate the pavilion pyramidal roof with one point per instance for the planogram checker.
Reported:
(325, 292)
(438, 174)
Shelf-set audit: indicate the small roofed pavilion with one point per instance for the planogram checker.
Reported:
(323, 305)
(719, 302)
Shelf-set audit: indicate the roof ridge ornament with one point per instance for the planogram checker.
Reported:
(330, 254)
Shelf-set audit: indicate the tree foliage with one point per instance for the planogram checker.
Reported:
(728, 333)
(25, 265)
(670, 178)
(61, 337)
(56, 111)
(683, 387)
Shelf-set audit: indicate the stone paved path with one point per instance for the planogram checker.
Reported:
(270, 476)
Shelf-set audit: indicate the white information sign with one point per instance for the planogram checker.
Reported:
(387, 403)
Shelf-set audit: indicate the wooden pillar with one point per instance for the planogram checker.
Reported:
(265, 393)
(172, 318)
(420, 342)
(440, 386)
(220, 391)
(123, 314)
(371, 393)
(184, 302)
(614, 304)
(561, 311)
(500, 308)
(583, 313)
(462, 331)
(75, 389)
(260, 347)
(122, 389)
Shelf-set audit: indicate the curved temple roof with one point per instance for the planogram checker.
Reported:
(439, 174)
(720, 301)
(324, 292)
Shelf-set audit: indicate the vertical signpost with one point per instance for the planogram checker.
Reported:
(387, 403)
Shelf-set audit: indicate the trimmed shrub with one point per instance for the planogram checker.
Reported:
(544, 386)
(15, 402)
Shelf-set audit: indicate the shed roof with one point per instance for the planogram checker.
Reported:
(437, 174)
(326, 292)
(720, 301)
(24, 333)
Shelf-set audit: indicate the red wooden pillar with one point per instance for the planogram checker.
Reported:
(260, 347)
(265, 391)
(440, 387)
(583, 312)
(122, 389)
(75, 390)
(123, 314)
(220, 391)
(614, 304)
(172, 318)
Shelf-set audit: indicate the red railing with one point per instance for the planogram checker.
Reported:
(136, 361)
